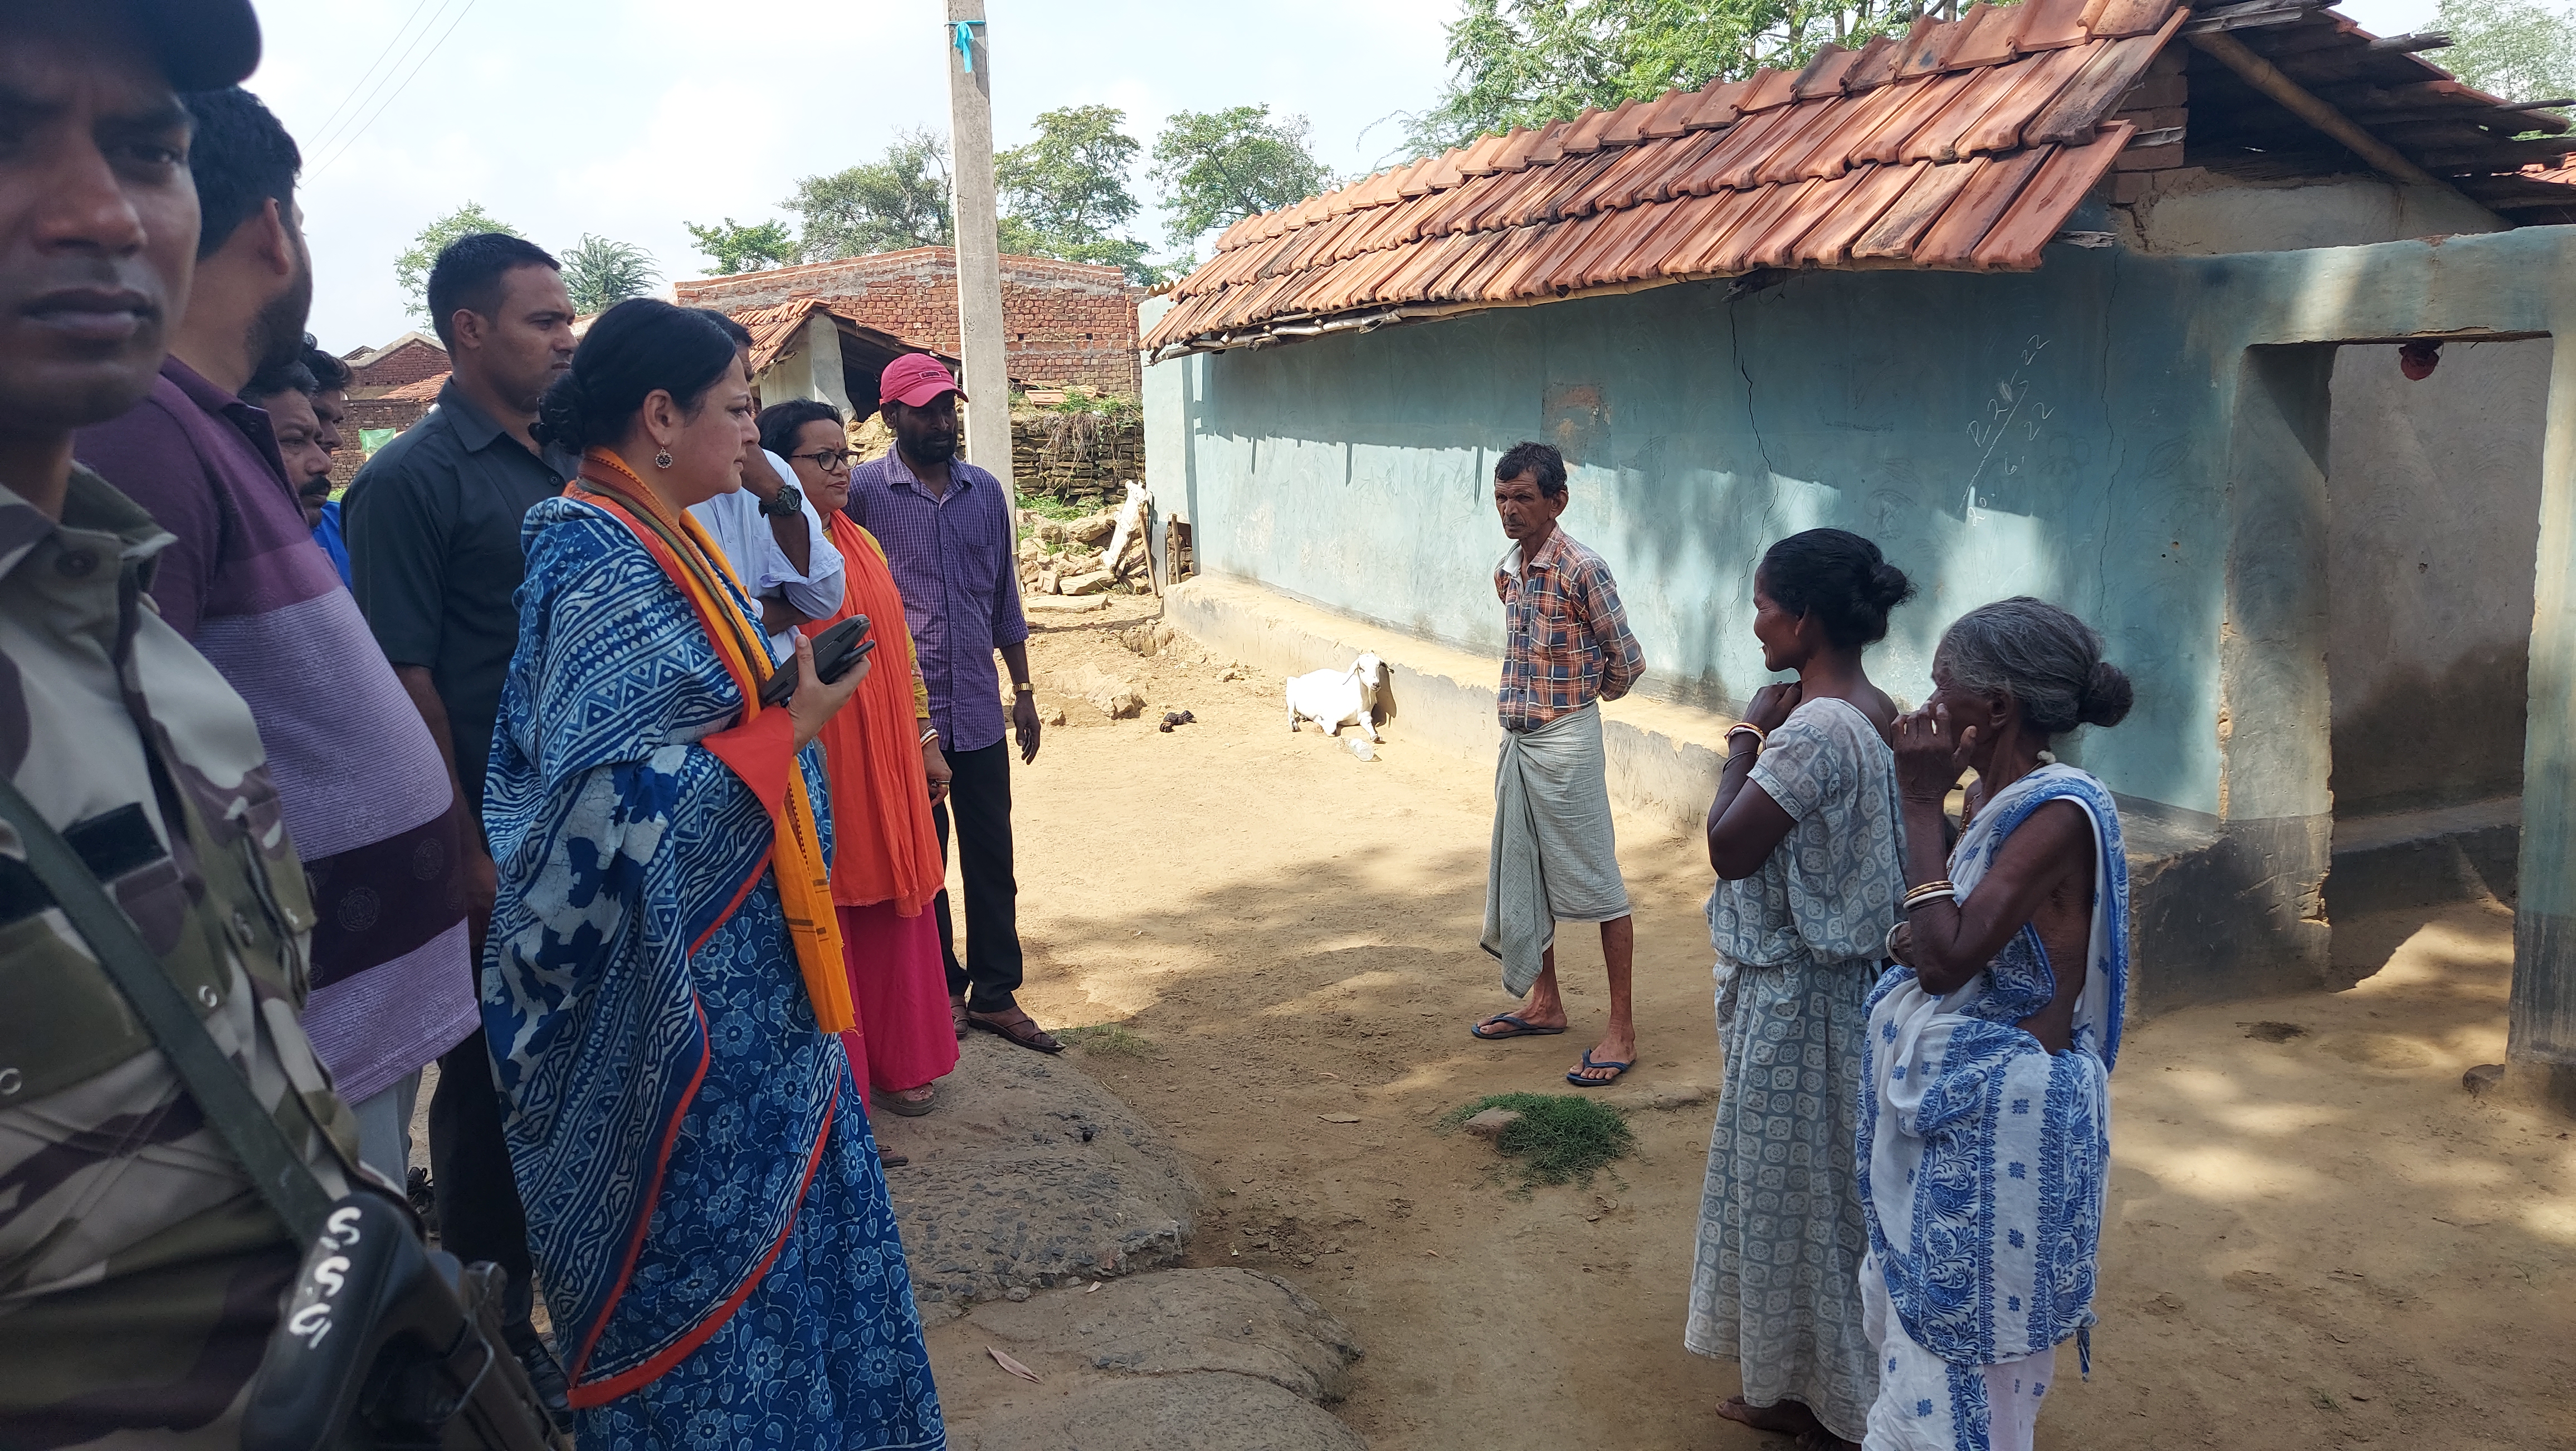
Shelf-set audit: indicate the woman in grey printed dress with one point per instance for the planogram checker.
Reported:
(1805, 838)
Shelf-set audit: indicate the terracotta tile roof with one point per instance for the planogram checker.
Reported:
(1960, 145)
(775, 330)
(423, 391)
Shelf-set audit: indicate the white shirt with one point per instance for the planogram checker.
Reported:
(751, 547)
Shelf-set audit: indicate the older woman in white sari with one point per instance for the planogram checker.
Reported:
(1985, 1142)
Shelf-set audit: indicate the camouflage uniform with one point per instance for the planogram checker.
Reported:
(140, 1273)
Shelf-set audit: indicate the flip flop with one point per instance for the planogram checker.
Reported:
(1575, 1075)
(1520, 1029)
(1025, 1033)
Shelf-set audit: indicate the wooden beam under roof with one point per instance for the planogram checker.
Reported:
(2263, 76)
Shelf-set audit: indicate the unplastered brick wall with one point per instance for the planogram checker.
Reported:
(2160, 107)
(408, 362)
(1067, 324)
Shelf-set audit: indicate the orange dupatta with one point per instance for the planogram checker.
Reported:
(884, 846)
(693, 562)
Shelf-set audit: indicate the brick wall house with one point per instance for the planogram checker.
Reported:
(389, 388)
(1067, 323)
(407, 359)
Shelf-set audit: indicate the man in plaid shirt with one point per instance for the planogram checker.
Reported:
(1555, 857)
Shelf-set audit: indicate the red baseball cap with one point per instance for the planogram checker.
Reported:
(914, 379)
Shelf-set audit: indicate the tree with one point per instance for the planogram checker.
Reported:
(600, 273)
(1218, 167)
(2515, 49)
(1529, 62)
(737, 248)
(879, 206)
(411, 269)
(1065, 194)
(1072, 180)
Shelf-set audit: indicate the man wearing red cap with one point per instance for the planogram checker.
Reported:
(947, 531)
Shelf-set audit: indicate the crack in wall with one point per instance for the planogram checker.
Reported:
(1735, 343)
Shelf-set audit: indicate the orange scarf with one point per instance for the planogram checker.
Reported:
(693, 562)
(883, 844)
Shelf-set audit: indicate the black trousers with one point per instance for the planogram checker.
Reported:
(980, 798)
(479, 1217)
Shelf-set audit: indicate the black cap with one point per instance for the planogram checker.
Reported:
(203, 45)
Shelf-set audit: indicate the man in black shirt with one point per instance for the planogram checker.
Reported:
(433, 531)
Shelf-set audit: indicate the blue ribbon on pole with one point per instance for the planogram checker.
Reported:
(966, 42)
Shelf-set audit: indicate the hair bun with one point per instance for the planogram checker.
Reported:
(1888, 587)
(559, 413)
(2107, 695)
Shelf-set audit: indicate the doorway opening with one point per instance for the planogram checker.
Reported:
(2433, 507)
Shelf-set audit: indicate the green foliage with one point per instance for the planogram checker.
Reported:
(1529, 62)
(1048, 506)
(1560, 1137)
(600, 273)
(878, 206)
(1104, 1040)
(2516, 49)
(1110, 408)
(1072, 180)
(1065, 195)
(739, 248)
(1218, 167)
(411, 269)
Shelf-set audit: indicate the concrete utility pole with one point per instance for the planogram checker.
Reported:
(979, 243)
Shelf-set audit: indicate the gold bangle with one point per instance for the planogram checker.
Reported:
(1024, 688)
(1930, 892)
(1760, 736)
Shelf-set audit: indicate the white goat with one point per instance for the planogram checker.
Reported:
(1336, 698)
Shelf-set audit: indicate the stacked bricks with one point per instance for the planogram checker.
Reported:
(2159, 102)
(1092, 471)
(1067, 324)
(408, 360)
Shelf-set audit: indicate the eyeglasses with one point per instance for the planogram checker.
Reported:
(829, 460)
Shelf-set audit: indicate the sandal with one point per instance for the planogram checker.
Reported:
(1023, 1032)
(894, 1102)
(1617, 1072)
(1520, 1028)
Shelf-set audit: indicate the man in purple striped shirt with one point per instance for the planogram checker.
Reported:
(948, 535)
(364, 790)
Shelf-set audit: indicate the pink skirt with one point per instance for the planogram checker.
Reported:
(899, 991)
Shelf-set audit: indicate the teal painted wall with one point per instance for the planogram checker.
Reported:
(2143, 439)
(1979, 428)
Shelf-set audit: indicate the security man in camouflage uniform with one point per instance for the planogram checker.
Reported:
(140, 1273)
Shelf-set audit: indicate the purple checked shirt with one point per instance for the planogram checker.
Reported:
(956, 563)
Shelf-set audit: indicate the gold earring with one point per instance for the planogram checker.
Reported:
(662, 460)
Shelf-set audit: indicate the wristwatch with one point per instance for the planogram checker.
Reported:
(787, 503)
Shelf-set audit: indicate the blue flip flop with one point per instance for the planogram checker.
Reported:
(1521, 1028)
(1575, 1076)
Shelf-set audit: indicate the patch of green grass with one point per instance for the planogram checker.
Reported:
(1560, 1138)
(1048, 506)
(1107, 1040)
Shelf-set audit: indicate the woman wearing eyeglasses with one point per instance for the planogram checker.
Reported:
(886, 772)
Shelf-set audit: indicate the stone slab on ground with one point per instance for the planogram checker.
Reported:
(1029, 1174)
(1063, 604)
(1214, 1359)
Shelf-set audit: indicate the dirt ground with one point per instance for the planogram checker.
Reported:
(2318, 1241)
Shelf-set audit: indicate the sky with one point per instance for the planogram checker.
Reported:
(627, 118)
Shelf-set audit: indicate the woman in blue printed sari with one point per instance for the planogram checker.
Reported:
(1985, 1140)
(662, 986)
